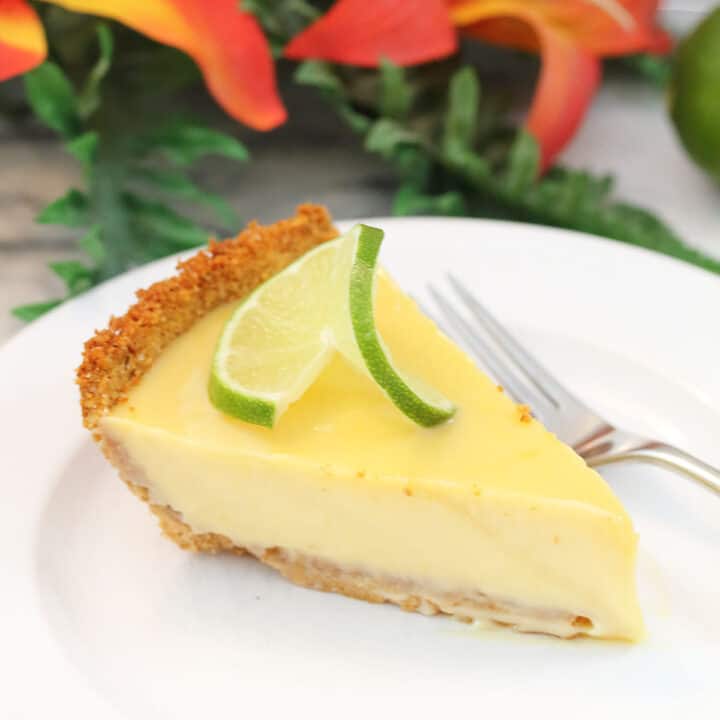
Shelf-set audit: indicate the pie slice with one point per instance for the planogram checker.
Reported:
(487, 517)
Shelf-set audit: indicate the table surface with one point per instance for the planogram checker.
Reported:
(312, 158)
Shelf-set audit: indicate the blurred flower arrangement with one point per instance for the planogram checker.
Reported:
(400, 73)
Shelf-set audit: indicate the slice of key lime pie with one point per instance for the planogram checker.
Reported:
(316, 419)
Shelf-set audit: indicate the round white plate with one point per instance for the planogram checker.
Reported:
(103, 618)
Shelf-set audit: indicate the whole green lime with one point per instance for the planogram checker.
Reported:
(695, 93)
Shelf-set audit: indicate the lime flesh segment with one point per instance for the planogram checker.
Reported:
(275, 344)
(282, 336)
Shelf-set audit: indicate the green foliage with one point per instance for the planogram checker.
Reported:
(523, 164)
(71, 210)
(396, 94)
(175, 183)
(321, 76)
(161, 223)
(410, 201)
(89, 99)
(655, 68)
(32, 311)
(76, 276)
(91, 243)
(388, 138)
(52, 98)
(460, 124)
(455, 163)
(281, 19)
(183, 143)
(131, 173)
(84, 147)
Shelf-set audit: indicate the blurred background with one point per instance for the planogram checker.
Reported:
(126, 136)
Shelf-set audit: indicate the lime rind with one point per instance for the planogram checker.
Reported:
(281, 337)
(231, 401)
(423, 405)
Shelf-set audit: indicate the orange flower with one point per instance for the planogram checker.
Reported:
(22, 41)
(571, 37)
(227, 44)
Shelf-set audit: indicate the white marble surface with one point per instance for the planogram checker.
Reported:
(626, 133)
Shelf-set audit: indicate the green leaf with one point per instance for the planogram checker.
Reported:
(462, 114)
(72, 209)
(358, 122)
(28, 313)
(640, 227)
(323, 78)
(410, 201)
(174, 182)
(461, 127)
(153, 220)
(414, 163)
(655, 68)
(386, 137)
(396, 94)
(318, 74)
(83, 147)
(52, 98)
(89, 98)
(185, 143)
(76, 276)
(91, 243)
(523, 164)
(281, 19)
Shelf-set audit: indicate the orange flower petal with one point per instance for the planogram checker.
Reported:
(569, 77)
(615, 27)
(22, 40)
(568, 80)
(362, 32)
(603, 27)
(227, 44)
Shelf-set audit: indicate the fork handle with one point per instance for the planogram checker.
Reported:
(668, 457)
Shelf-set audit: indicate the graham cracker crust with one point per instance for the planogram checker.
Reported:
(117, 357)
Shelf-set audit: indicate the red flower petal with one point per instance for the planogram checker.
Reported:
(363, 32)
(22, 40)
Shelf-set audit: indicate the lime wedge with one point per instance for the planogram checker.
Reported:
(281, 337)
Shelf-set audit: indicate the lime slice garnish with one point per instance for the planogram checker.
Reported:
(281, 337)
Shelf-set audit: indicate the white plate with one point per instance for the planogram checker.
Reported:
(103, 618)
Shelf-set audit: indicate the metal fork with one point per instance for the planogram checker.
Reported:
(526, 380)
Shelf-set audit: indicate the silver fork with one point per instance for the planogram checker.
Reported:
(527, 381)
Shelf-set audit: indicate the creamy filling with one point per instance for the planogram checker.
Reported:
(545, 554)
